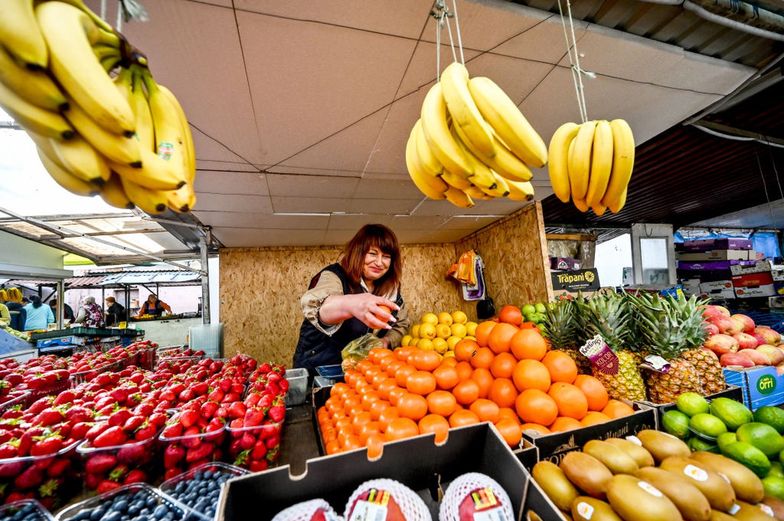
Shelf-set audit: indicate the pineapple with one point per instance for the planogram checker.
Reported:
(672, 328)
(560, 328)
(608, 315)
(707, 364)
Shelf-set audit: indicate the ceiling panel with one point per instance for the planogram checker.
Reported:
(309, 205)
(258, 220)
(465, 222)
(311, 186)
(768, 215)
(235, 202)
(387, 189)
(241, 183)
(383, 206)
(252, 238)
(421, 71)
(515, 76)
(498, 207)
(227, 166)
(543, 42)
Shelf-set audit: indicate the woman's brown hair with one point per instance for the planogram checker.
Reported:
(353, 257)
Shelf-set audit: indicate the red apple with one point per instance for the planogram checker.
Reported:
(721, 344)
(745, 341)
(743, 360)
(771, 336)
(714, 311)
(748, 323)
(757, 357)
(727, 325)
(774, 354)
(712, 329)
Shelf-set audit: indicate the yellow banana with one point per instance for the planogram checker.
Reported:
(432, 187)
(474, 192)
(116, 147)
(623, 164)
(580, 160)
(482, 177)
(186, 130)
(19, 33)
(145, 132)
(601, 163)
(154, 174)
(463, 109)
(70, 33)
(75, 156)
(428, 161)
(105, 51)
(617, 206)
(508, 122)
(504, 162)
(580, 204)
(103, 25)
(150, 201)
(599, 209)
(65, 179)
(520, 191)
(559, 160)
(459, 198)
(182, 200)
(169, 134)
(114, 195)
(33, 117)
(500, 190)
(32, 86)
(438, 135)
(461, 183)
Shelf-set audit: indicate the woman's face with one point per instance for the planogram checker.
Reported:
(376, 264)
(151, 299)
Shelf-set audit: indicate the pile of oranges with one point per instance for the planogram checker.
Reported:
(507, 376)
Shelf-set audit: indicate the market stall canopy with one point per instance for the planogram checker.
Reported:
(118, 280)
(300, 110)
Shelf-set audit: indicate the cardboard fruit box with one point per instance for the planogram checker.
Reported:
(761, 385)
(419, 463)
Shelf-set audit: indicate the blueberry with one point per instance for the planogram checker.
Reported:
(160, 511)
(96, 514)
(144, 511)
(112, 516)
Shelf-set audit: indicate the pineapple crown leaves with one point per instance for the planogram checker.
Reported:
(559, 323)
(668, 326)
(607, 315)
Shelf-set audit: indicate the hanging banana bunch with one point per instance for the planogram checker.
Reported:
(86, 97)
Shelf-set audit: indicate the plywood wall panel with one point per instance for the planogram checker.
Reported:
(261, 287)
(514, 251)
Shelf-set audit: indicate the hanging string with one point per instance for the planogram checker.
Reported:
(120, 8)
(459, 37)
(438, 48)
(451, 41)
(775, 170)
(574, 60)
(764, 185)
(103, 10)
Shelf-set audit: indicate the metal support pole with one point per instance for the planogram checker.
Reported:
(205, 281)
(60, 303)
(128, 302)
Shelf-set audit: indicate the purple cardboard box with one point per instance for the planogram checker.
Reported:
(713, 265)
(714, 244)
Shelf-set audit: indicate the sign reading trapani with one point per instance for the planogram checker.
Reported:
(576, 280)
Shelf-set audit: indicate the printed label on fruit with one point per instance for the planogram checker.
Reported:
(484, 498)
(585, 510)
(329, 515)
(494, 514)
(656, 363)
(635, 440)
(650, 489)
(165, 150)
(366, 511)
(695, 473)
(733, 509)
(765, 508)
(601, 356)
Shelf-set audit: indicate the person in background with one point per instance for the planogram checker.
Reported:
(90, 313)
(67, 310)
(153, 306)
(5, 315)
(360, 294)
(18, 313)
(38, 315)
(115, 313)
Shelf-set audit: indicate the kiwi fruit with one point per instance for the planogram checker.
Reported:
(717, 515)
(748, 487)
(587, 473)
(637, 452)
(715, 488)
(636, 500)
(776, 506)
(555, 484)
(613, 458)
(662, 445)
(691, 503)
(586, 508)
(749, 512)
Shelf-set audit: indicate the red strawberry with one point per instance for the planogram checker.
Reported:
(95, 430)
(107, 486)
(258, 465)
(189, 418)
(32, 477)
(80, 430)
(254, 417)
(158, 419)
(48, 445)
(65, 397)
(111, 437)
(277, 413)
(173, 431)
(247, 441)
(202, 451)
(133, 423)
(8, 450)
(119, 418)
(237, 410)
(208, 409)
(58, 468)
(133, 454)
(135, 476)
(146, 432)
(172, 455)
(201, 388)
(49, 416)
(259, 450)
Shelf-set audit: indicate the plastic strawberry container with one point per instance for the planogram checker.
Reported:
(140, 493)
(133, 462)
(239, 439)
(183, 453)
(86, 376)
(204, 507)
(30, 508)
(16, 398)
(51, 482)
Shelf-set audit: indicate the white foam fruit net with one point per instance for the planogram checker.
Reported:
(411, 505)
(306, 511)
(465, 485)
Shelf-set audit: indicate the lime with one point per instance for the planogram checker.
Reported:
(725, 439)
(676, 423)
(528, 309)
(762, 436)
(540, 308)
(732, 413)
(707, 425)
(692, 403)
(748, 455)
(776, 469)
(772, 416)
(697, 444)
(774, 486)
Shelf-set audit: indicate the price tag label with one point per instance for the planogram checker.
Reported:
(585, 510)
(600, 355)
(656, 363)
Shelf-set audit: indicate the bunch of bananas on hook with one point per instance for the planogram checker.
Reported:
(472, 142)
(86, 97)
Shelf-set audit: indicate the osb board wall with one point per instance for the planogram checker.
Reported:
(261, 287)
(514, 251)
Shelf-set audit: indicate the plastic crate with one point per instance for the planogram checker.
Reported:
(19, 398)
(34, 510)
(152, 497)
(170, 487)
(141, 455)
(298, 386)
(243, 457)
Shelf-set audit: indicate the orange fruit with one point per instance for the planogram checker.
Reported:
(386, 386)
(570, 400)
(483, 358)
(386, 361)
(339, 389)
(386, 417)
(425, 360)
(396, 394)
(528, 344)
(561, 366)
(402, 374)
(511, 315)
(484, 379)
(360, 419)
(465, 349)
(541, 429)
(436, 424)
(483, 332)
(486, 410)
(393, 367)
(503, 392)
(593, 417)
(463, 417)
(464, 371)
(530, 374)
(617, 409)
(412, 406)
(332, 447)
(503, 365)
(448, 361)
(377, 408)
(510, 431)
(421, 382)
(563, 423)
(368, 399)
(400, 428)
(593, 390)
(446, 377)
(375, 446)
(363, 365)
(507, 412)
(441, 402)
(377, 353)
(535, 406)
(466, 392)
(500, 337)
(367, 429)
(402, 353)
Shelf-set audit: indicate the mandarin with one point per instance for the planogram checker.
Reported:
(528, 344)
(531, 374)
(535, 406)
